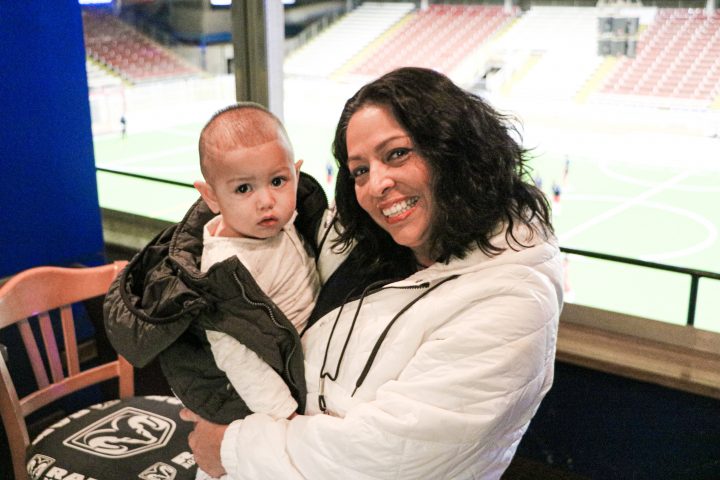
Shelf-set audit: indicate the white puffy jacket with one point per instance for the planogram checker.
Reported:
(448, 392)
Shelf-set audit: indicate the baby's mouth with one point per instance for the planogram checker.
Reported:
(268, 221)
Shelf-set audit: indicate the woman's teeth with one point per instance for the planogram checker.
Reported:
(400, 207)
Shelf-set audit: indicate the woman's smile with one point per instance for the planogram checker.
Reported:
(400, 207)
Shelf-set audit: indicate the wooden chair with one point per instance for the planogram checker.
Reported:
(154, 439)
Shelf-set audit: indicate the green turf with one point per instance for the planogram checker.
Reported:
(662, 213)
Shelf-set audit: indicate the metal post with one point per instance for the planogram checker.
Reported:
(258, 40)
(693, 300)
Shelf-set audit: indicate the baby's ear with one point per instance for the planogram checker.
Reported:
(208, 195)
(298, 164)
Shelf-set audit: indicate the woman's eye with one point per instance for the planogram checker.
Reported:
(398, 153)
(359, 171)
(278, 181)
(244, 188)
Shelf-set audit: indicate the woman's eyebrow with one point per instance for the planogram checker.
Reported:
(380, 146)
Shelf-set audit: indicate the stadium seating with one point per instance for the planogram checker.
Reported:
(439, 37)
(552, 50)
(130, 54)
(99, 77)
(678, 56)
(332, 48)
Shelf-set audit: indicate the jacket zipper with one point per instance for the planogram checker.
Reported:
(286, 366)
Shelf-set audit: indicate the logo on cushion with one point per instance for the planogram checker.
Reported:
(37, 465)
(124, 433)
(159, 471)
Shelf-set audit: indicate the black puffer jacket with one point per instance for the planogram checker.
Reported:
(161, 304)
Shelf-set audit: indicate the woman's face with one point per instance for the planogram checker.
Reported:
(392, 181)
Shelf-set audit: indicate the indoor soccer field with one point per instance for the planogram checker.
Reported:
(646, 197)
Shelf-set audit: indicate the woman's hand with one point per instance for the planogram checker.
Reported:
(205, 442)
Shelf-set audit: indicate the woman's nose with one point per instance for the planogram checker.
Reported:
(380, 180)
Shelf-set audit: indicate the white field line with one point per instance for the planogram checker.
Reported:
(160, 170)
(180, 132)
(147, 157)
(710, 229)
(605, 168)
(634, 201)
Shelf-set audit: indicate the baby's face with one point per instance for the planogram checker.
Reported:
(255, 188)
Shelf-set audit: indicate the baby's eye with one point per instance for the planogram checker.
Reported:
(278, 181)
(244, 188)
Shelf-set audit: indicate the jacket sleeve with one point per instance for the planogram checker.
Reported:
(136, 297)
(457, 410)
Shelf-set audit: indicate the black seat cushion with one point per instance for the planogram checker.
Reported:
(138, 438)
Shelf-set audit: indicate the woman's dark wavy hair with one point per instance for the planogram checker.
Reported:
(480, 179)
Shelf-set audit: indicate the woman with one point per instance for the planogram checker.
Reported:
(436, 374)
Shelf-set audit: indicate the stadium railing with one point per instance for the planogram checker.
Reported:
(695, 275)
(675, 356)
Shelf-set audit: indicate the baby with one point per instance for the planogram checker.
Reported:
(250, 179)
(223, 315)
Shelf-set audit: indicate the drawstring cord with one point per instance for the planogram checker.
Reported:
(378, 343)
(328, 226)
(323, 374)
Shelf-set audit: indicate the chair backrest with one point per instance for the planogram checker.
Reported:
(30, 296)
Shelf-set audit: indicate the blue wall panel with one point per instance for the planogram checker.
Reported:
(49, 212)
